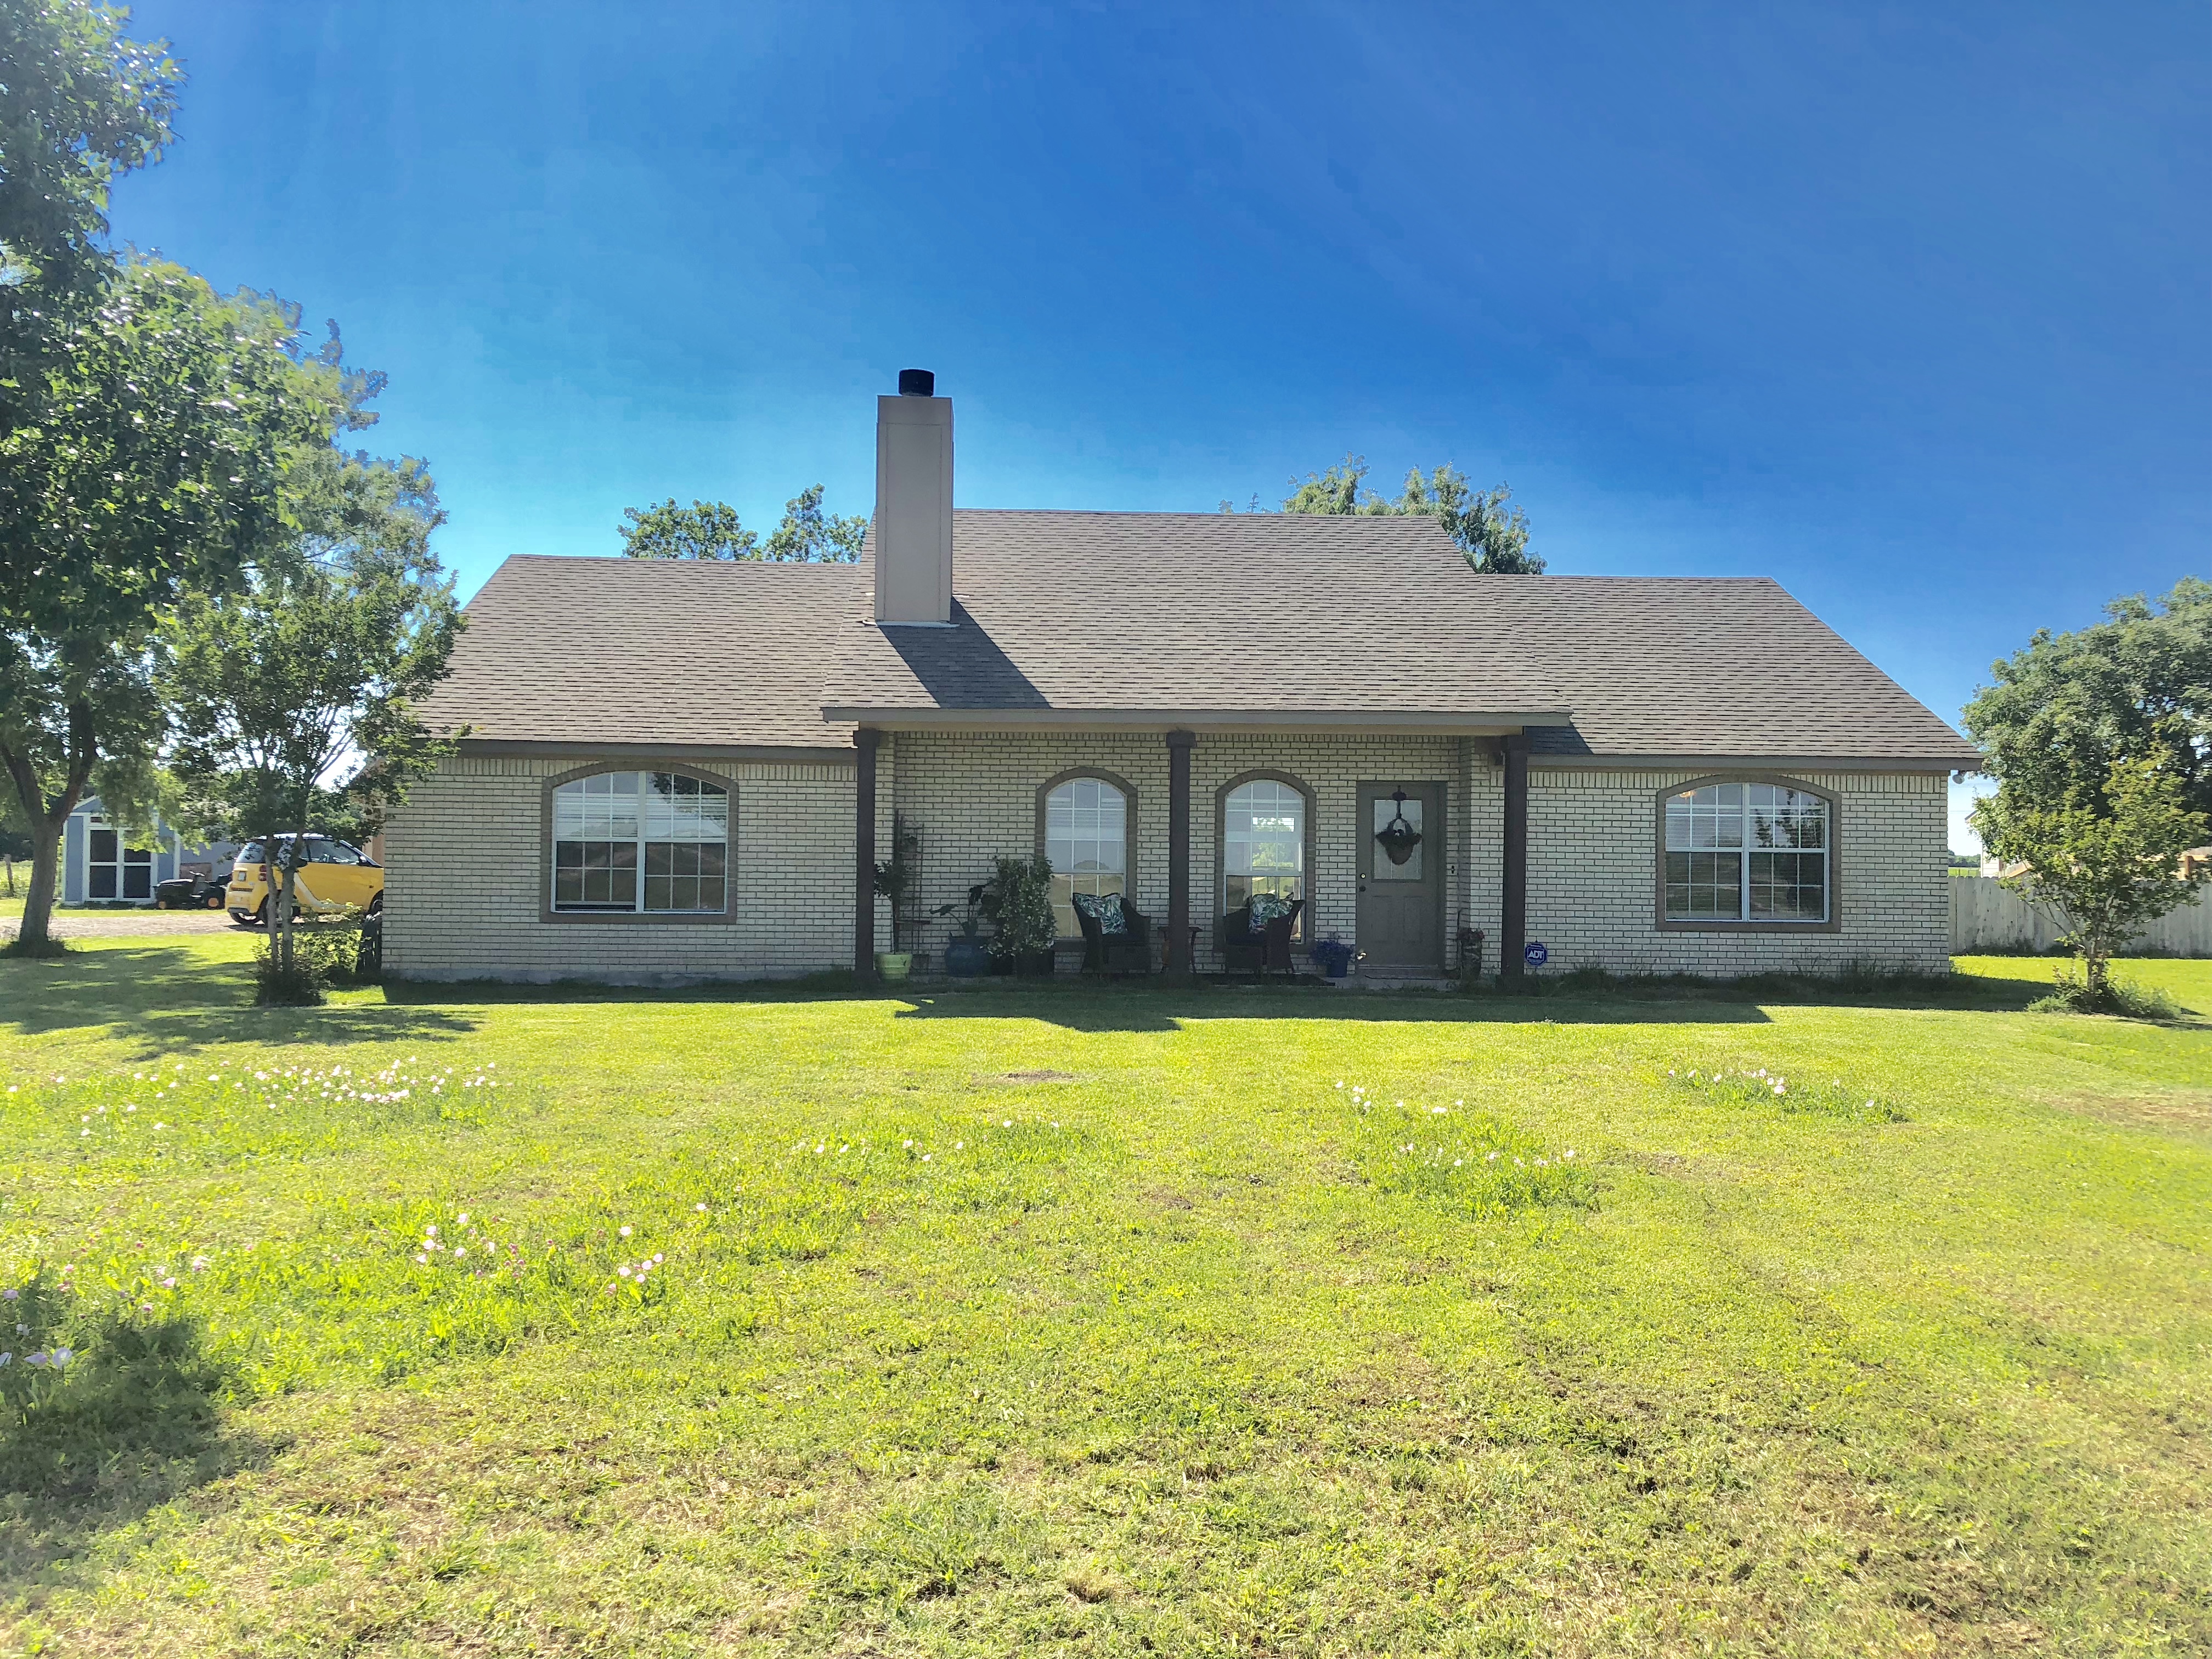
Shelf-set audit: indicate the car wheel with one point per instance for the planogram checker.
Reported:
(376, 905)
(215, 901)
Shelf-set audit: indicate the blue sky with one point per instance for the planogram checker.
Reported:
(1906, 306)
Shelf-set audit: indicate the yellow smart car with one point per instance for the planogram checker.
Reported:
(332, 875)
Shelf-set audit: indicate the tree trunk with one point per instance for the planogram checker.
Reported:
(32, 934)
(47, 819)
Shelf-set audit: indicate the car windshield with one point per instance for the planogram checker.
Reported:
(250, 854)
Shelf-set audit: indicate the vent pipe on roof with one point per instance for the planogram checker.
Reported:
(913, 504)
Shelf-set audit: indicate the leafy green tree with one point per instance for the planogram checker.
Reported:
(712, 530)
(2101, 744)
(809, 536)
(2109, 860)
(1493, 538)
(2138, 686)
(300, 686)
(80, 103)
(704, 530)
(143, 459)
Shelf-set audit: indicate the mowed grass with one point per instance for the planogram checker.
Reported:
(1097, 1322)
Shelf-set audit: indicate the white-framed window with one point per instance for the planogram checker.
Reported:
(652, 842)
(112, 870)
(1747, 851)
(1263, 844)
(1086, 841)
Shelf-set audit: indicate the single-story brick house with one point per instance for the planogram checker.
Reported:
(686, 770)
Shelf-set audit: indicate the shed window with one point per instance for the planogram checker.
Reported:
(113, 870)
(1263, 844)
(1747, 851)
(650, 842)
(1086, 841)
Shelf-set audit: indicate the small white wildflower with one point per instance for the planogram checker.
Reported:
(624, 1231)
(701, 1208)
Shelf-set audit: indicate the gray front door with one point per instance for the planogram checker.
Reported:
(1401, 875)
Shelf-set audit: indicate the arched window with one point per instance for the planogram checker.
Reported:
(1263, 844)
(1745, 851)
(1086, 840)
(655, 842)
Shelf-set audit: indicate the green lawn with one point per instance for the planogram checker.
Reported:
(1099, 1323)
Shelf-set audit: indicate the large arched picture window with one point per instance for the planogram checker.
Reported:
(1747, 851)
(650, 842)
(1263, 844)
(1086, 840)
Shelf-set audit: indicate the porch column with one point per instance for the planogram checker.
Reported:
(864, 851)
(1513, 921)
(1178, 963)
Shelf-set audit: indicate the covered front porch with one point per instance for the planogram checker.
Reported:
(1399, 840)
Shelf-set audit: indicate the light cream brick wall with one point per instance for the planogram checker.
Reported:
(974, 796)
(1592, 863)
(465, 863)
(463, 898)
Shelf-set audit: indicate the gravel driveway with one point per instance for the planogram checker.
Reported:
(126, 924)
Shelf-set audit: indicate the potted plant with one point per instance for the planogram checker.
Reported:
(1335, 957)
(1019, 900)
(966, 955)
(894, 879)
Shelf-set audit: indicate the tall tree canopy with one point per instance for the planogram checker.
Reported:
(2101, 744)
(143, 459)
(712, 530)
(298, 689)
(2138, 686)
(1493, 538)
(80, 103)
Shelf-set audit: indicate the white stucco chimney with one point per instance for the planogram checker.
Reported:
(914, 503)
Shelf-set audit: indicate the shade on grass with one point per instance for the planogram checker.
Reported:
(1096, 1322)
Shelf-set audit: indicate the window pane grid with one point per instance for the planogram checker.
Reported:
(1263, 845)
(1087, 843)
(1780, 875)
(655, 841)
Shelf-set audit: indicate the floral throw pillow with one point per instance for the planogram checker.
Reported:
(1266, 907)
(1105, 909)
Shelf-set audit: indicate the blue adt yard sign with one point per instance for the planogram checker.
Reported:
(1534, 954)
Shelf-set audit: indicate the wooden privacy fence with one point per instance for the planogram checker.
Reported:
(1985, 916)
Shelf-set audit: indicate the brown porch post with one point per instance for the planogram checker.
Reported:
(1513, 923)
(1177, 963)
(864, 851)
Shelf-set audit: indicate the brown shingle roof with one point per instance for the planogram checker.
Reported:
(1062, 614)
(653, 652)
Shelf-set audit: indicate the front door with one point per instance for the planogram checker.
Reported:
(1401, 875)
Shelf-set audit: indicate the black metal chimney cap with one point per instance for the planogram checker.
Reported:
(917, 383)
